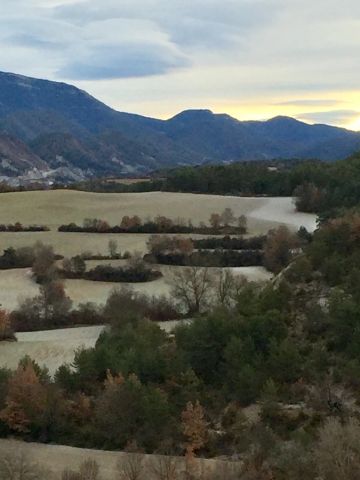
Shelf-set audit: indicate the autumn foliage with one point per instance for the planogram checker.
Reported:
(26, 399)
(194, 427)
(6, 331)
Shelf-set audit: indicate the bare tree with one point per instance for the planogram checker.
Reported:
(242, 223)
(192, 286)
(215, 220)
(227, 217)
(113, 248)
(217, 470)
(337, 452)
(68, 474)
(130, 467)
(44, 264)
(19, 467)
(164, 467)
(227, 286)
(89, 470)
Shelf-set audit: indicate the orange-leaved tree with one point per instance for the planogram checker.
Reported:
(6, 331)
(25, 401)
(194, 427)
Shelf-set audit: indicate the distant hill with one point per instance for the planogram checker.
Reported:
(64, 129)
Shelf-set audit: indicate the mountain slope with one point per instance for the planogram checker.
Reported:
(16, 157)
(66, 128)
(66, 104)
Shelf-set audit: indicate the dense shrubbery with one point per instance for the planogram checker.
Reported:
(18, 227)
(274, 251)
(216, 258)
(101, 226)
(230, 243)
(107, 273)
(136, 271)
(17, 258)
(53, 309)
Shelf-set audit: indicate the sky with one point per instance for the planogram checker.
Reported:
(252, 59)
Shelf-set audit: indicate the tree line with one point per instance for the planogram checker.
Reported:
(19, 227)
(219, 223)
(320, 187)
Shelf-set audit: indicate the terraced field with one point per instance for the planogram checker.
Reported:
(54, 208)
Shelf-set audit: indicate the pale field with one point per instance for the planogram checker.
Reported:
(50, 348)
(53, 208)
(16, 285)
(53, 348)
(56, 458)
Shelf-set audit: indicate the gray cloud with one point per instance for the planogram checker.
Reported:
(125, 61)
(32, 41)
(187, 23)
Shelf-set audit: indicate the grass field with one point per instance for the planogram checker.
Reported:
(53, 348)
(54, 208)
(50, 348)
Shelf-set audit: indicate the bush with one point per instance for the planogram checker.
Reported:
(125, 303)
(17, 258)
(203, 258)
(230, 243)
(107, 273)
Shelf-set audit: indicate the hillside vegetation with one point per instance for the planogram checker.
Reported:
(268, 373)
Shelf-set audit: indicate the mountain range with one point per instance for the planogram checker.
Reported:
(55, 130)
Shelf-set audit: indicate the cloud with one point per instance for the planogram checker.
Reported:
(156, 56)
(32, 41)
(309, 103)
(102, 49)
(187, 23)
(335, 117)
(125, 61)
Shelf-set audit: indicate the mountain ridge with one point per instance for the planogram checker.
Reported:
(70, 130)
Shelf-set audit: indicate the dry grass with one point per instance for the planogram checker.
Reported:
(15, 285)
(54, 208)
(56, 458)
(51, 348)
